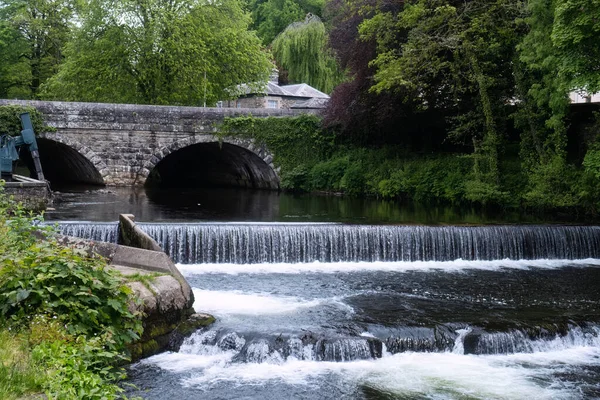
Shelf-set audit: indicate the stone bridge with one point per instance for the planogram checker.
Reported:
(125, 144)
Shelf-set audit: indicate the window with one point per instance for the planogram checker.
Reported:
(272, 104)
(238, 104)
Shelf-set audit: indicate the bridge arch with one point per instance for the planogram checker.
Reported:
(206, 160)
(65, 160)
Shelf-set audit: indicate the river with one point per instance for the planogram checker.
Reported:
(330, 298)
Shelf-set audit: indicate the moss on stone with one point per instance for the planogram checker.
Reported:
(160, 330)
(195, 322)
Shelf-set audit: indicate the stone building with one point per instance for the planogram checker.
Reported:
(299, 96)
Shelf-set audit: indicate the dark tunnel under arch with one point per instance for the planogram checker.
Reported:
(213, 164)
(62, 164)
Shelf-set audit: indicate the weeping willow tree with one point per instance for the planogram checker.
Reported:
(301, 49)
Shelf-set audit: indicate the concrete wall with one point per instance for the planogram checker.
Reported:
(124, 142)
(35, 195)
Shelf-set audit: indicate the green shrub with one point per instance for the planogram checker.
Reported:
(296, 179)
(552, 184)
(10, 123)
(327, 175)
(353, 181)
(389, 188)
(72, 309)
(81, 369)
(591, 161)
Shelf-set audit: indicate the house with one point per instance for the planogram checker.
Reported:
(579, 97)
(299, 96)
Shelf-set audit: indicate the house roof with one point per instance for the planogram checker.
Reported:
(301, 90)
(274, 89)
(305, 96)
(304, 90)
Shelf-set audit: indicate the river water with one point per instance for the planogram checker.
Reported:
(319, 298)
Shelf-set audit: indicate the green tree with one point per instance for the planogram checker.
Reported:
(544, 93)
(575, 35)
(301, 49)
(455, 56)
(271, 17)
(149, 51)
(33, 34)
(15, 74)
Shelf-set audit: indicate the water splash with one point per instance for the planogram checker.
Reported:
(459, 343)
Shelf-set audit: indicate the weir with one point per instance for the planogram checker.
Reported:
(246, 243)
(334, 304)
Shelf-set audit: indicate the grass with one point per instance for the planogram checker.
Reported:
(19, 374)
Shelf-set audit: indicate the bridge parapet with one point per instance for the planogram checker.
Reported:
(136, 117)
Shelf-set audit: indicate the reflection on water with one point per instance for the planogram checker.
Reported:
(234, 204)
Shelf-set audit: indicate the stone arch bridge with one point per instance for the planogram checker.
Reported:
(129, 145)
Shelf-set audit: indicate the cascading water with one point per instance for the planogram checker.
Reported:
(100, 231)
(329, 311)
(304, 243)
(293, 243)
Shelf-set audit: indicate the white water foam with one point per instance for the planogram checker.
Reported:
(413, 374)
(418, 374)
(182, 362)
(395, 266)
(242, 303)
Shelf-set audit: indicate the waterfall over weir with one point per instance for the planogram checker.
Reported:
(247, 243)
(99, 231)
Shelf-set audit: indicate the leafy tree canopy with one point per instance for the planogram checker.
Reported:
(155, 52)
(301, 49)
(270, 17)
(576, 35)
(32, 36)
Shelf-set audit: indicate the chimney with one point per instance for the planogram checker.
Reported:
(274, 77)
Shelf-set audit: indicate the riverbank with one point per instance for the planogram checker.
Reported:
(66, 312)
(312, 159)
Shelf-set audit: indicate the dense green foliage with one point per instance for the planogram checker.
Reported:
(482, 72)
(180, 52)
(575, 34)
(185, 52)
(70, 309)
(311, 158)
(301, 50)
(33, 34)
(10, 123)
(452, 50)
(270, 17)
